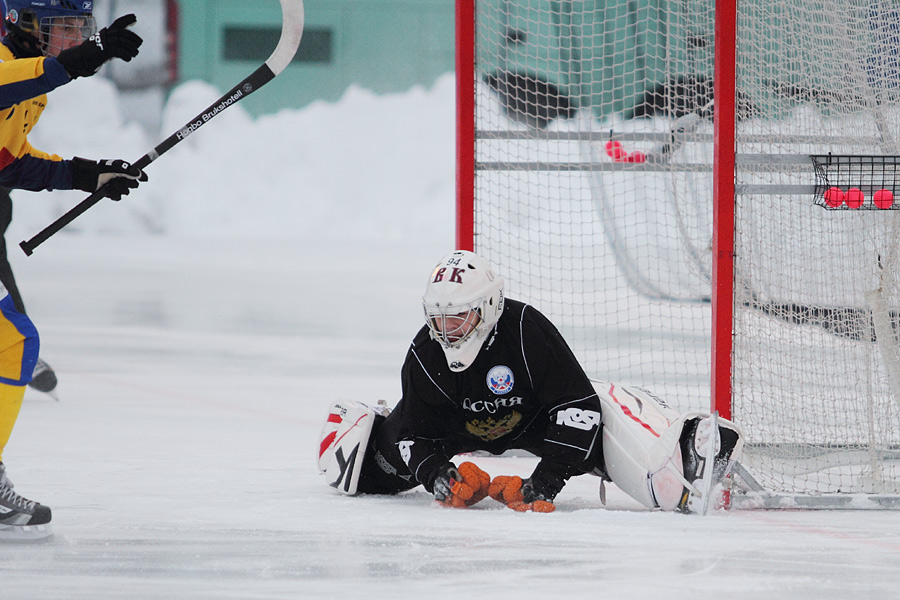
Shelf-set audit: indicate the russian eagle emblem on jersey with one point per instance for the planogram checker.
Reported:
(500, 380)
(489, 428)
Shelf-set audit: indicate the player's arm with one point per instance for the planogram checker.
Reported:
(25, 78)
(35, 170)
(423, 456)
(429, 462)
(422, 429)
(574, 414)
(427, 424)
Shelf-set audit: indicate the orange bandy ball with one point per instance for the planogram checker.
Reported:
(884, 198)
(855, 198)
(834, 197)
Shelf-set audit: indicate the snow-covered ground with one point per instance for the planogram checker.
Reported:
(200, 329)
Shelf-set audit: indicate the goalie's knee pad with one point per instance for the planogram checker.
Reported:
(343, 442)
(641, 444)
(656, 455)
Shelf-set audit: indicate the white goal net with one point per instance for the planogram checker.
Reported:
(594, 161)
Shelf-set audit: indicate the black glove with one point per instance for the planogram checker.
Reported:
(530, 492)
(116, 177)
(115, 41)
(545, 482)
(446, 478)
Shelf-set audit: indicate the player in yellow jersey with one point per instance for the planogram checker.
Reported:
(47, 43)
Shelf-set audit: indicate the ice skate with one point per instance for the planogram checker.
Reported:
(701, 438)
(43, 379)
(20, 518)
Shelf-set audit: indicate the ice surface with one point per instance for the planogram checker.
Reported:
(196, 365)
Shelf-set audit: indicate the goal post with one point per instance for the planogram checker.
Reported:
(465, 119)
(701, 196)
(724, 92)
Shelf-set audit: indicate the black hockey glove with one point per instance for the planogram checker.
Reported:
(116, 177)
(447, 475)
(545, 483)
(115, 41)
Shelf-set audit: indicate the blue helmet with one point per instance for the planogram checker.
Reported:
(37, 17)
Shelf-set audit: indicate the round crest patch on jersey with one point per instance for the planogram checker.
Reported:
(500, 380)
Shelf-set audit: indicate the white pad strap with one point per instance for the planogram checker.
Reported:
(709, 453)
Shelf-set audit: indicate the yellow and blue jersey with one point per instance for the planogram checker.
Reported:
(19, 343)
(24, 83)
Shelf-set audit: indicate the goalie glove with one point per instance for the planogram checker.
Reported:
(461, 486)
(118, 176)
(115, 41)
(520, 495)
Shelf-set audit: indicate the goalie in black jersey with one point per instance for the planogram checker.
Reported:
(493, 374)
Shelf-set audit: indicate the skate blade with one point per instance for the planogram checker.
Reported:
(25, 533)
(52, 394)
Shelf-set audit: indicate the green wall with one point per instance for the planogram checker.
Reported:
(382, 45)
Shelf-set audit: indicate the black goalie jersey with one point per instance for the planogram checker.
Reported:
(525, 390)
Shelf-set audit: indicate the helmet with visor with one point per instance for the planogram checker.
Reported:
(49, 26)
(463, 301)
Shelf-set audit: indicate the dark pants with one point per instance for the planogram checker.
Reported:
(383, 471)
(6, 275)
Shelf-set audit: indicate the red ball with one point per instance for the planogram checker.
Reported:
(855, 198)
(884, 198)
(614, 150)
(834, 197)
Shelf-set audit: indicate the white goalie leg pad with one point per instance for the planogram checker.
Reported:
(641, 450)
(343, 442)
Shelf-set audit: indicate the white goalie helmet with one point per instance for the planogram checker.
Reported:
(463, 301)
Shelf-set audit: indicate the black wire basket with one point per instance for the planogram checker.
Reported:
(856, 182)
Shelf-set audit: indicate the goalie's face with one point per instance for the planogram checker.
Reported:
(452, 330)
